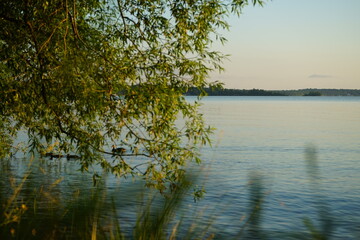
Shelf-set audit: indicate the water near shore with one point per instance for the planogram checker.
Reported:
(270, 135)
(302, 152)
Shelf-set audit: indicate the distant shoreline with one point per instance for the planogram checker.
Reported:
(261, 92)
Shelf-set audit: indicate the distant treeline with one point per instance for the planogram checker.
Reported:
(321, 92)
(261, 92)
(234, 92)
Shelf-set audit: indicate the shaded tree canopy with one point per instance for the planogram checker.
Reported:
(68, 70)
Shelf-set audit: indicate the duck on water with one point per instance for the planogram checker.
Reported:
(68, 156)
(115, 150)
(118, 150)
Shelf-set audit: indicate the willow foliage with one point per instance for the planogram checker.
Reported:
(82, 75)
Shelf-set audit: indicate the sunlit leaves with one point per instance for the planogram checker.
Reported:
(87, 75)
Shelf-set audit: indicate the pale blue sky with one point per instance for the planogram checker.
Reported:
(292, 44)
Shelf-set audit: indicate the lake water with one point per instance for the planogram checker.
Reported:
(305, 151)
(270, 136)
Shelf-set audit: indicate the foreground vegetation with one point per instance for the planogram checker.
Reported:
(36, 202)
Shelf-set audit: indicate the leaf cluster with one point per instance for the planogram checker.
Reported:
(80, 76)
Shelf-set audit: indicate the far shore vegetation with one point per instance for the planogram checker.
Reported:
(261, 92)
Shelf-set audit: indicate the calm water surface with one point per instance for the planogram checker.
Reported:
(268, 137)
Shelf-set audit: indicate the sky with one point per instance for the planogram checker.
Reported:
(293, 44)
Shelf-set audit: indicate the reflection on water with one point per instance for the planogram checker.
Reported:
(280, 168)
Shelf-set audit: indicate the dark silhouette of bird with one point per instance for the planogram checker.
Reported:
(68, 156)
(72, 156)
(118, 150)
(52, 155)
